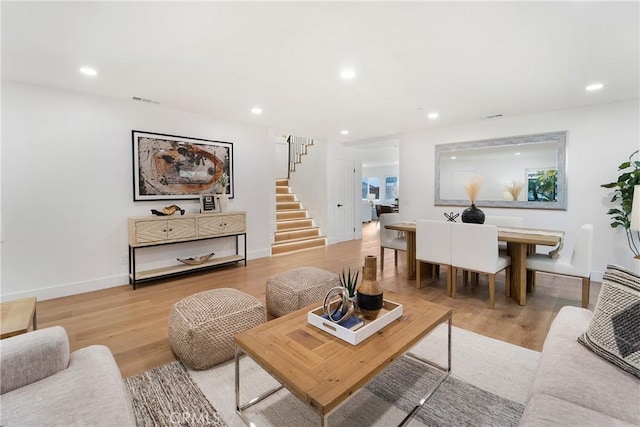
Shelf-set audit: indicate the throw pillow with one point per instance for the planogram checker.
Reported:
(614, 332)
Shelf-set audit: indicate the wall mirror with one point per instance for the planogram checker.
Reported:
(517, 172)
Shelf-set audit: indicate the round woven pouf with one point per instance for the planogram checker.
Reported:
(202, 326)
(297, 288)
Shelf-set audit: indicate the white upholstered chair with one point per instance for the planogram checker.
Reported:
(578, 264)
(433, 245)
(474, 247)
(390, 239)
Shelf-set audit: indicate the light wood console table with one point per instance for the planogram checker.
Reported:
(148, 231)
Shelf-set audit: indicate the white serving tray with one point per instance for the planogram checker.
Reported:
(390, 311)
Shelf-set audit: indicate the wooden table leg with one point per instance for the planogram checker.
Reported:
(518, 253)
(411, 255)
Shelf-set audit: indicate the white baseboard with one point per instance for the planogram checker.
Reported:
(70, 288)
(92, 285)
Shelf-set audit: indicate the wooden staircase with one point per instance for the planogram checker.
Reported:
(294, 230)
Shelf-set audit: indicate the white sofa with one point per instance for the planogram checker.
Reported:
(573, 386)
(42, 384)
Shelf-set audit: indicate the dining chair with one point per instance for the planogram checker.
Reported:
(474, 247)
(390, 239)
(578, 264)
(383, 209)
(433, 245)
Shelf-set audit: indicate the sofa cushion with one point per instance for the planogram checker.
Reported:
(90, 392)
(614, 332)
(571, 372)
(544, 410)
(28, 358)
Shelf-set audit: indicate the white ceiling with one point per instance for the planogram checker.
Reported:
(466, 60)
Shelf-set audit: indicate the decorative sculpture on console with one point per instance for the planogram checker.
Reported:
(169, 210)
(451, 217)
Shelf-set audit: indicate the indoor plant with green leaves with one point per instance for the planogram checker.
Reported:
(350, 281)
(623, 197)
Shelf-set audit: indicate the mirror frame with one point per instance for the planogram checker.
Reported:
(560, 137)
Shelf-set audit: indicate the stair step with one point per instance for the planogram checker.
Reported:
(298, 245)
(283, 182)
(281, 198)
(288, 205)
(282, 189)
(292, 224)
(304, 233)
(291, 214)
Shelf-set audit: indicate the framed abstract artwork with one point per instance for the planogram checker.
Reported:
(169, 167)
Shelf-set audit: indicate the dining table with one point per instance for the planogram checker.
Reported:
(520, 242)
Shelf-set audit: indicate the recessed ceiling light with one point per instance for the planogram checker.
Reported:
(348, 73)
(516, 153)
(453, 157)
(344, 132)
(433, 115)
(88, 71)
(594, 86)
(256, 110)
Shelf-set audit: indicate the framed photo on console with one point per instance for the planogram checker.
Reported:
(208, 203)
(169, 167)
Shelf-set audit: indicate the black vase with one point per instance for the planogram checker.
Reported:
(473, 215)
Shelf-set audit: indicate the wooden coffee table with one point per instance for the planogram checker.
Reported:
(17, 316)
(322, 370)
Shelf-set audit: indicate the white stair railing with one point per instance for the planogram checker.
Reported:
(297, 148)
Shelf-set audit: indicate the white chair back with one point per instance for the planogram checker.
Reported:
(474, 247)
(389, 238)
(433, 241)
(582, 255)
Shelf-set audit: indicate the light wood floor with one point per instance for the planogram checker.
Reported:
(133, 324)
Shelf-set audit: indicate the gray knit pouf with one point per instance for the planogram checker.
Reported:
(297, 288)
(202, 326)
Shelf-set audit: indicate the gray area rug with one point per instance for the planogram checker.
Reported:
(493, 366)
(488, 387)
(454, 403)
(167, 396)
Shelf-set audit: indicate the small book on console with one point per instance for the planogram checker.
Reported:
(351, 323)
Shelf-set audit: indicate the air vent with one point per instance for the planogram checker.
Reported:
(494, 116)
(147, 100)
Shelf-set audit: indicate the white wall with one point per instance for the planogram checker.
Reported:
(282, 157)
(67, 187)
(308, 182)
(599, 139)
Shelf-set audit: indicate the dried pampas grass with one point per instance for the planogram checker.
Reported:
(514, 188)
(473, 187)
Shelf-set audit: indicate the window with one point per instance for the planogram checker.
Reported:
(391, 187)
(371, 185)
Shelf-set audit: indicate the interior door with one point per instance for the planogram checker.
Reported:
(344, 190)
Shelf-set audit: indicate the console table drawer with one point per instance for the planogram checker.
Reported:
(221, 225)
(164, 230)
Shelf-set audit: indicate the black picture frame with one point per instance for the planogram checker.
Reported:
(171, 167)
(208, 203)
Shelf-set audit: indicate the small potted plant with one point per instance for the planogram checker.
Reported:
(223, 198)
(350, 282)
